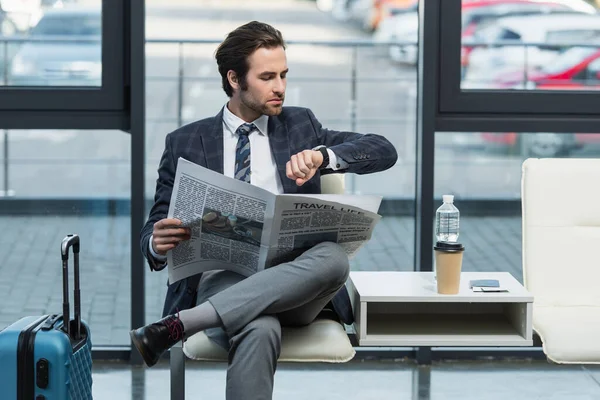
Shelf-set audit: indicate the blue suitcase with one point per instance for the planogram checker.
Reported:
(42, 358)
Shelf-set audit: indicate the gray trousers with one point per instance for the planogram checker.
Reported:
(253, 309)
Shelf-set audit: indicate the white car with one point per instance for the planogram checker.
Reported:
(553, 33)
(403, 29)
(62, 63)
(18, 16)
(346, 10)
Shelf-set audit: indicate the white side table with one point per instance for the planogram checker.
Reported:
(404, 309)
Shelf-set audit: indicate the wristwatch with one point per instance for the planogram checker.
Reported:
(325, 153)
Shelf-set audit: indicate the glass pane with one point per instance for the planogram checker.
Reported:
(530, 45)
(51, 42)
(348, 87)
(63, 182)
(483, 172)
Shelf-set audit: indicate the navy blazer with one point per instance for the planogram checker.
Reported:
(294, 130)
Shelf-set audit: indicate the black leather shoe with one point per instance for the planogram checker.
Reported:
(154, 339)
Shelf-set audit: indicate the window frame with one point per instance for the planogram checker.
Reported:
(86, 107)
(528, 108)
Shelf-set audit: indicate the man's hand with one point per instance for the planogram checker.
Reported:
(303, 166)
(167, 234)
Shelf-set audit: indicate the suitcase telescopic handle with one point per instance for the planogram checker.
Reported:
(68, 242)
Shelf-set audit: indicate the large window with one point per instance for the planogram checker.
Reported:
(530, 45)
(61, 182)
(483, 171)
(62, 46)
(63, 55)
(71, 116)
(348, 82)
(522, 59)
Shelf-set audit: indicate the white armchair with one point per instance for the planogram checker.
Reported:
(324, 340)
(561, 255)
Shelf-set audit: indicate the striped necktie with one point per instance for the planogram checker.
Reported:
(242, 152)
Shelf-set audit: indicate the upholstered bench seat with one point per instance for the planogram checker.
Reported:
(569, 334)
(324, 340)
(561, 232)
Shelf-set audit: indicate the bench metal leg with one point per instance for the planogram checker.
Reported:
(177, 364)
(424, 355)
(421, 385)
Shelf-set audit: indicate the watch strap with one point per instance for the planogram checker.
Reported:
(325, 154)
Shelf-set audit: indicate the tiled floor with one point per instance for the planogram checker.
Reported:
(30, 258)
(367, 380)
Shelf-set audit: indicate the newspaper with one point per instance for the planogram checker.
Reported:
(243, 228)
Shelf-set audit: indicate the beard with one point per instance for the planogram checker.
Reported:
(262, 108)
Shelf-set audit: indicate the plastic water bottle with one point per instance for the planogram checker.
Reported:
(447, 220)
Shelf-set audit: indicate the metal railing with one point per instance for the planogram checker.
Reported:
(353, 79)
(181, 78)
(5, 190)
(527, 47)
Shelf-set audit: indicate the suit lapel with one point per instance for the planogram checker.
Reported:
(212, 144)
(280, 148)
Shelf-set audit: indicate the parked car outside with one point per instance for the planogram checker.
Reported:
(477, 13)
(548, 35)
(577, 68)
(404, 27)
(74, 62)
(384, 9)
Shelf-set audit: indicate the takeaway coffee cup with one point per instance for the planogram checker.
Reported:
(448, 264)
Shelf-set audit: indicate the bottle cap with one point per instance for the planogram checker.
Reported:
(448, 198)
(450, 247)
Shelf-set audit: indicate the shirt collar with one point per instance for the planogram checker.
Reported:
(233, 121)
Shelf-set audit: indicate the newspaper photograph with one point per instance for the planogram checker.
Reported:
(243, 228)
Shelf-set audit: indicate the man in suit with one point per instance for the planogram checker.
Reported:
(284, 150)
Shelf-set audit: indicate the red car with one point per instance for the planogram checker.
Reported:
(477, 12)
(577, 68)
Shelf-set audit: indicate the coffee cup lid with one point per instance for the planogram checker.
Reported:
(449, 246)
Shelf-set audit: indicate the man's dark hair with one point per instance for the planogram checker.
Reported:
(233, 52)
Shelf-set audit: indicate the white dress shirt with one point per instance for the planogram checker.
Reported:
(263, 169)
